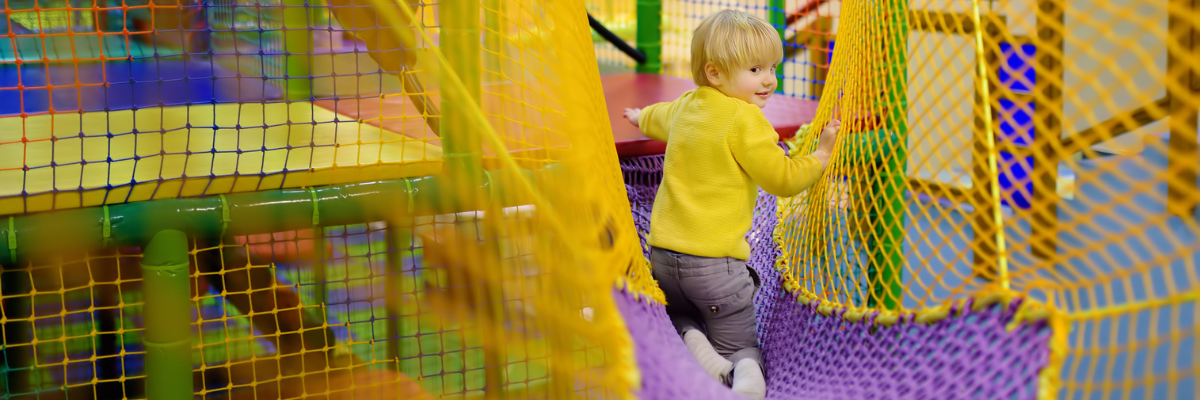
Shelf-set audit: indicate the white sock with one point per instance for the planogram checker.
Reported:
(715, 365)
(748, 380)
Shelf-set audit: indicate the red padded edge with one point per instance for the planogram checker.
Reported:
(630, 90)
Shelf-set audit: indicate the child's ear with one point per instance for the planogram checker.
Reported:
(712, 74)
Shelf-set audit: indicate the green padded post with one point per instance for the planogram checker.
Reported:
(493, 40)
(649, 35)
(16, 350)
(318, 13)
(167, 315)
(778, 16)
(887, 254)
(398, 241)
(460, 43)
(321, 291)
(297, 48)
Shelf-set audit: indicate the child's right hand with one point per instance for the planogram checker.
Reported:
(826, 141)
(632, 114)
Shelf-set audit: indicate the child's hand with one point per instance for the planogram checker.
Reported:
(825, 143)
(632, 114)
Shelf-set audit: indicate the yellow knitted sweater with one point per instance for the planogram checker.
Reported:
(719, 151)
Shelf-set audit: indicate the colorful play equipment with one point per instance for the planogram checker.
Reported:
(368, 199)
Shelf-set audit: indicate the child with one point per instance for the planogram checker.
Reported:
(720, 150)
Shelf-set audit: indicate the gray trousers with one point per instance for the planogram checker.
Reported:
(713, 295)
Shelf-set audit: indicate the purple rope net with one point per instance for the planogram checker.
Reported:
(809, 355)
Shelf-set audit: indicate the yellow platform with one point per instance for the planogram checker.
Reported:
(233, 148)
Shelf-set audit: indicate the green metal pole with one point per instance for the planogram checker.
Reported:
(297, 47)
(885, 270)
(132, 224)
(775, 10)
(167, 315)
(649, 35)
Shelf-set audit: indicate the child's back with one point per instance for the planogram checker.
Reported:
(720, 150)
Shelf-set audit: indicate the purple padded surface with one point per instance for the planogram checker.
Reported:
(812, 356)
(969, 356)
(668, 369)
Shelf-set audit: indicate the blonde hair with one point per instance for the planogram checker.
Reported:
(733, 39)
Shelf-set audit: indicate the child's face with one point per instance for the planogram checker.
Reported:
(753, 84)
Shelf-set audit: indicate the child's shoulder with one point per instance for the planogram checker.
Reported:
(711, 106)
(712, 101)
(749, 116)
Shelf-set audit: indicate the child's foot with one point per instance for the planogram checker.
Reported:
(715, 365)
(748, 380)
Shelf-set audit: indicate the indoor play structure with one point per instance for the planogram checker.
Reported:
(367, 199)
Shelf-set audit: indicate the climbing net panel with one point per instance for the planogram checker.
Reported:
(985, 188)
(1038, 154)
(373, 203)
(988, 152)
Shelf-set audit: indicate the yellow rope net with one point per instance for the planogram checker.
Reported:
(373, 201)
(1041, 150)
(994, 150)
(345, 241)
